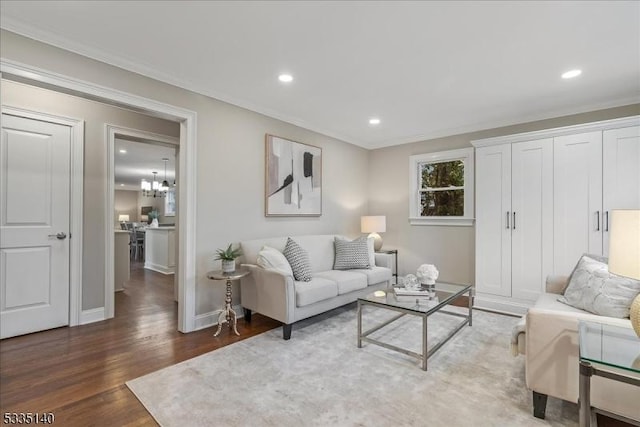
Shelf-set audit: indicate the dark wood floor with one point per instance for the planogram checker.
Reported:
(79, 373)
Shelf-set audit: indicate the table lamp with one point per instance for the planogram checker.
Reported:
(374, 225)
(123, 218)
(624, 252)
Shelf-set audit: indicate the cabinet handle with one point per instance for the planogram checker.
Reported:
(606, 221)
(514, 220)
(508, 226)
(597, 220)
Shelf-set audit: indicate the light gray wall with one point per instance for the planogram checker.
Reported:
(95, 115)
(230, 161)
(451, 249)
(125, 202)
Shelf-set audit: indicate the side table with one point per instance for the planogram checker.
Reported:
(393, 252)
(228, 312)
(607, 351)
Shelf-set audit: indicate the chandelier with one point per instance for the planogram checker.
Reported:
(153, 188)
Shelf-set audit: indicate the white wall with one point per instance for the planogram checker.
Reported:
(230, 161)
(451, 249)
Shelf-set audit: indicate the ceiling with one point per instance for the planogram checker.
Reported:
(139, 161)
(426, 69)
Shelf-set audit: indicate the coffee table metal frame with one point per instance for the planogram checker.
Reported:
(426, 352)
(590, 366)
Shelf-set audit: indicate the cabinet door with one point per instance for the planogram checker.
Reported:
(532, 217)
(577, 201)
(493, 211)
(621, 173)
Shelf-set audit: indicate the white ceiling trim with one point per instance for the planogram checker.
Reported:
(62, 42)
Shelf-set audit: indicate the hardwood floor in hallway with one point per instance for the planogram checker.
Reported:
(79, 373)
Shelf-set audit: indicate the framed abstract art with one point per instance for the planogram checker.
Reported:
(293, 178)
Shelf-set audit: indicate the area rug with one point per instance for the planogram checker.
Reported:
(321, 378)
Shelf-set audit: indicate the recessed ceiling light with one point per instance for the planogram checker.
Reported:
(571, 74)
(374, 121)
(285, 78)
(123, 151)
(121, 185)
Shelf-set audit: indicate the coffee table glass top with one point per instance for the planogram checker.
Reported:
(610, 345)
(445, 293)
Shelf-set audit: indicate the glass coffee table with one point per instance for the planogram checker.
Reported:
(443, 295)
(608, 351)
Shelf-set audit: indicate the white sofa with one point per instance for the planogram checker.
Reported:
(550, 345)
(282, 298)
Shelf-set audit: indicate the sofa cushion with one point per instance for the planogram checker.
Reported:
(347, 281)
(272, 259)
(375, 275)
(351, 254)
(317, 289)
(592, 288)
(299, 260)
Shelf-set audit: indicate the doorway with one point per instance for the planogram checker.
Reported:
(186, 264)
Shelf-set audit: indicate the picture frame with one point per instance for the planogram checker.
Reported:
(293, 178)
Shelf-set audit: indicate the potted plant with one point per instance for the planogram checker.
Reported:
(153, 216)
(228, 257)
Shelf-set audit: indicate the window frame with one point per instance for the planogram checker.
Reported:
(466, 156)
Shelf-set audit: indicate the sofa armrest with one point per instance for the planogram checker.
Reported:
(268, 292)
(556, 284)
(552, 366)
(384, 260)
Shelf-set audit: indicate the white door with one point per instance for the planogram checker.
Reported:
(577, 201)
(34, 225)
(532, 217)
(621, 173)
(493, 220)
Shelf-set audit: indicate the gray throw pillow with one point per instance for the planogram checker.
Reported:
(298, 260)
(594, 289)
(351, 254)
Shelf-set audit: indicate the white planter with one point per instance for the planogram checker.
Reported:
(154, 223)
(228, 266)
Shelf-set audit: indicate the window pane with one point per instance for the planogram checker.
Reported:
(442, 203)
(445, 174)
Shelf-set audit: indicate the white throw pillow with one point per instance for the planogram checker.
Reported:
(594, 289)
(272, 259)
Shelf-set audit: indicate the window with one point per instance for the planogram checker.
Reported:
(170, 202)
(442, 188)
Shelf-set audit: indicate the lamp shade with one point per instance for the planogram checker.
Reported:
(373, 224)
(624, 243)
(123, 218)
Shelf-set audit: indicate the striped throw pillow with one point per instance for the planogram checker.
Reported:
(351, 254)
(298, 260)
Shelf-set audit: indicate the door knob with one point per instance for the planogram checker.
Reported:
(59, 236)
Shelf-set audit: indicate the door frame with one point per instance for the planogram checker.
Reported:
(111, 133)
(75, 202)
(187, 272)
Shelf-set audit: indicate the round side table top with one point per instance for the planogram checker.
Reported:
(220, 275)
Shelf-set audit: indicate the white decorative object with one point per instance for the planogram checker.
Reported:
(228, 266)
(154, 223)
(428, 274)
(411, 282)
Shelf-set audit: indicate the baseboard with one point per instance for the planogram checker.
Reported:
(92, 315)
(160, 268)
(209, 319)
(491, 303)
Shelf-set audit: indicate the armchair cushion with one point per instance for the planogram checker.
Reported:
(592, 288)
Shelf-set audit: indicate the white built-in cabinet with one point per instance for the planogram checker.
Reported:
(543, 199)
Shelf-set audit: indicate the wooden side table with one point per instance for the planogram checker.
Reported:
(228, 312)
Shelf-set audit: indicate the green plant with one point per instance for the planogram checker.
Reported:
(153, 215)
(228, 254)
